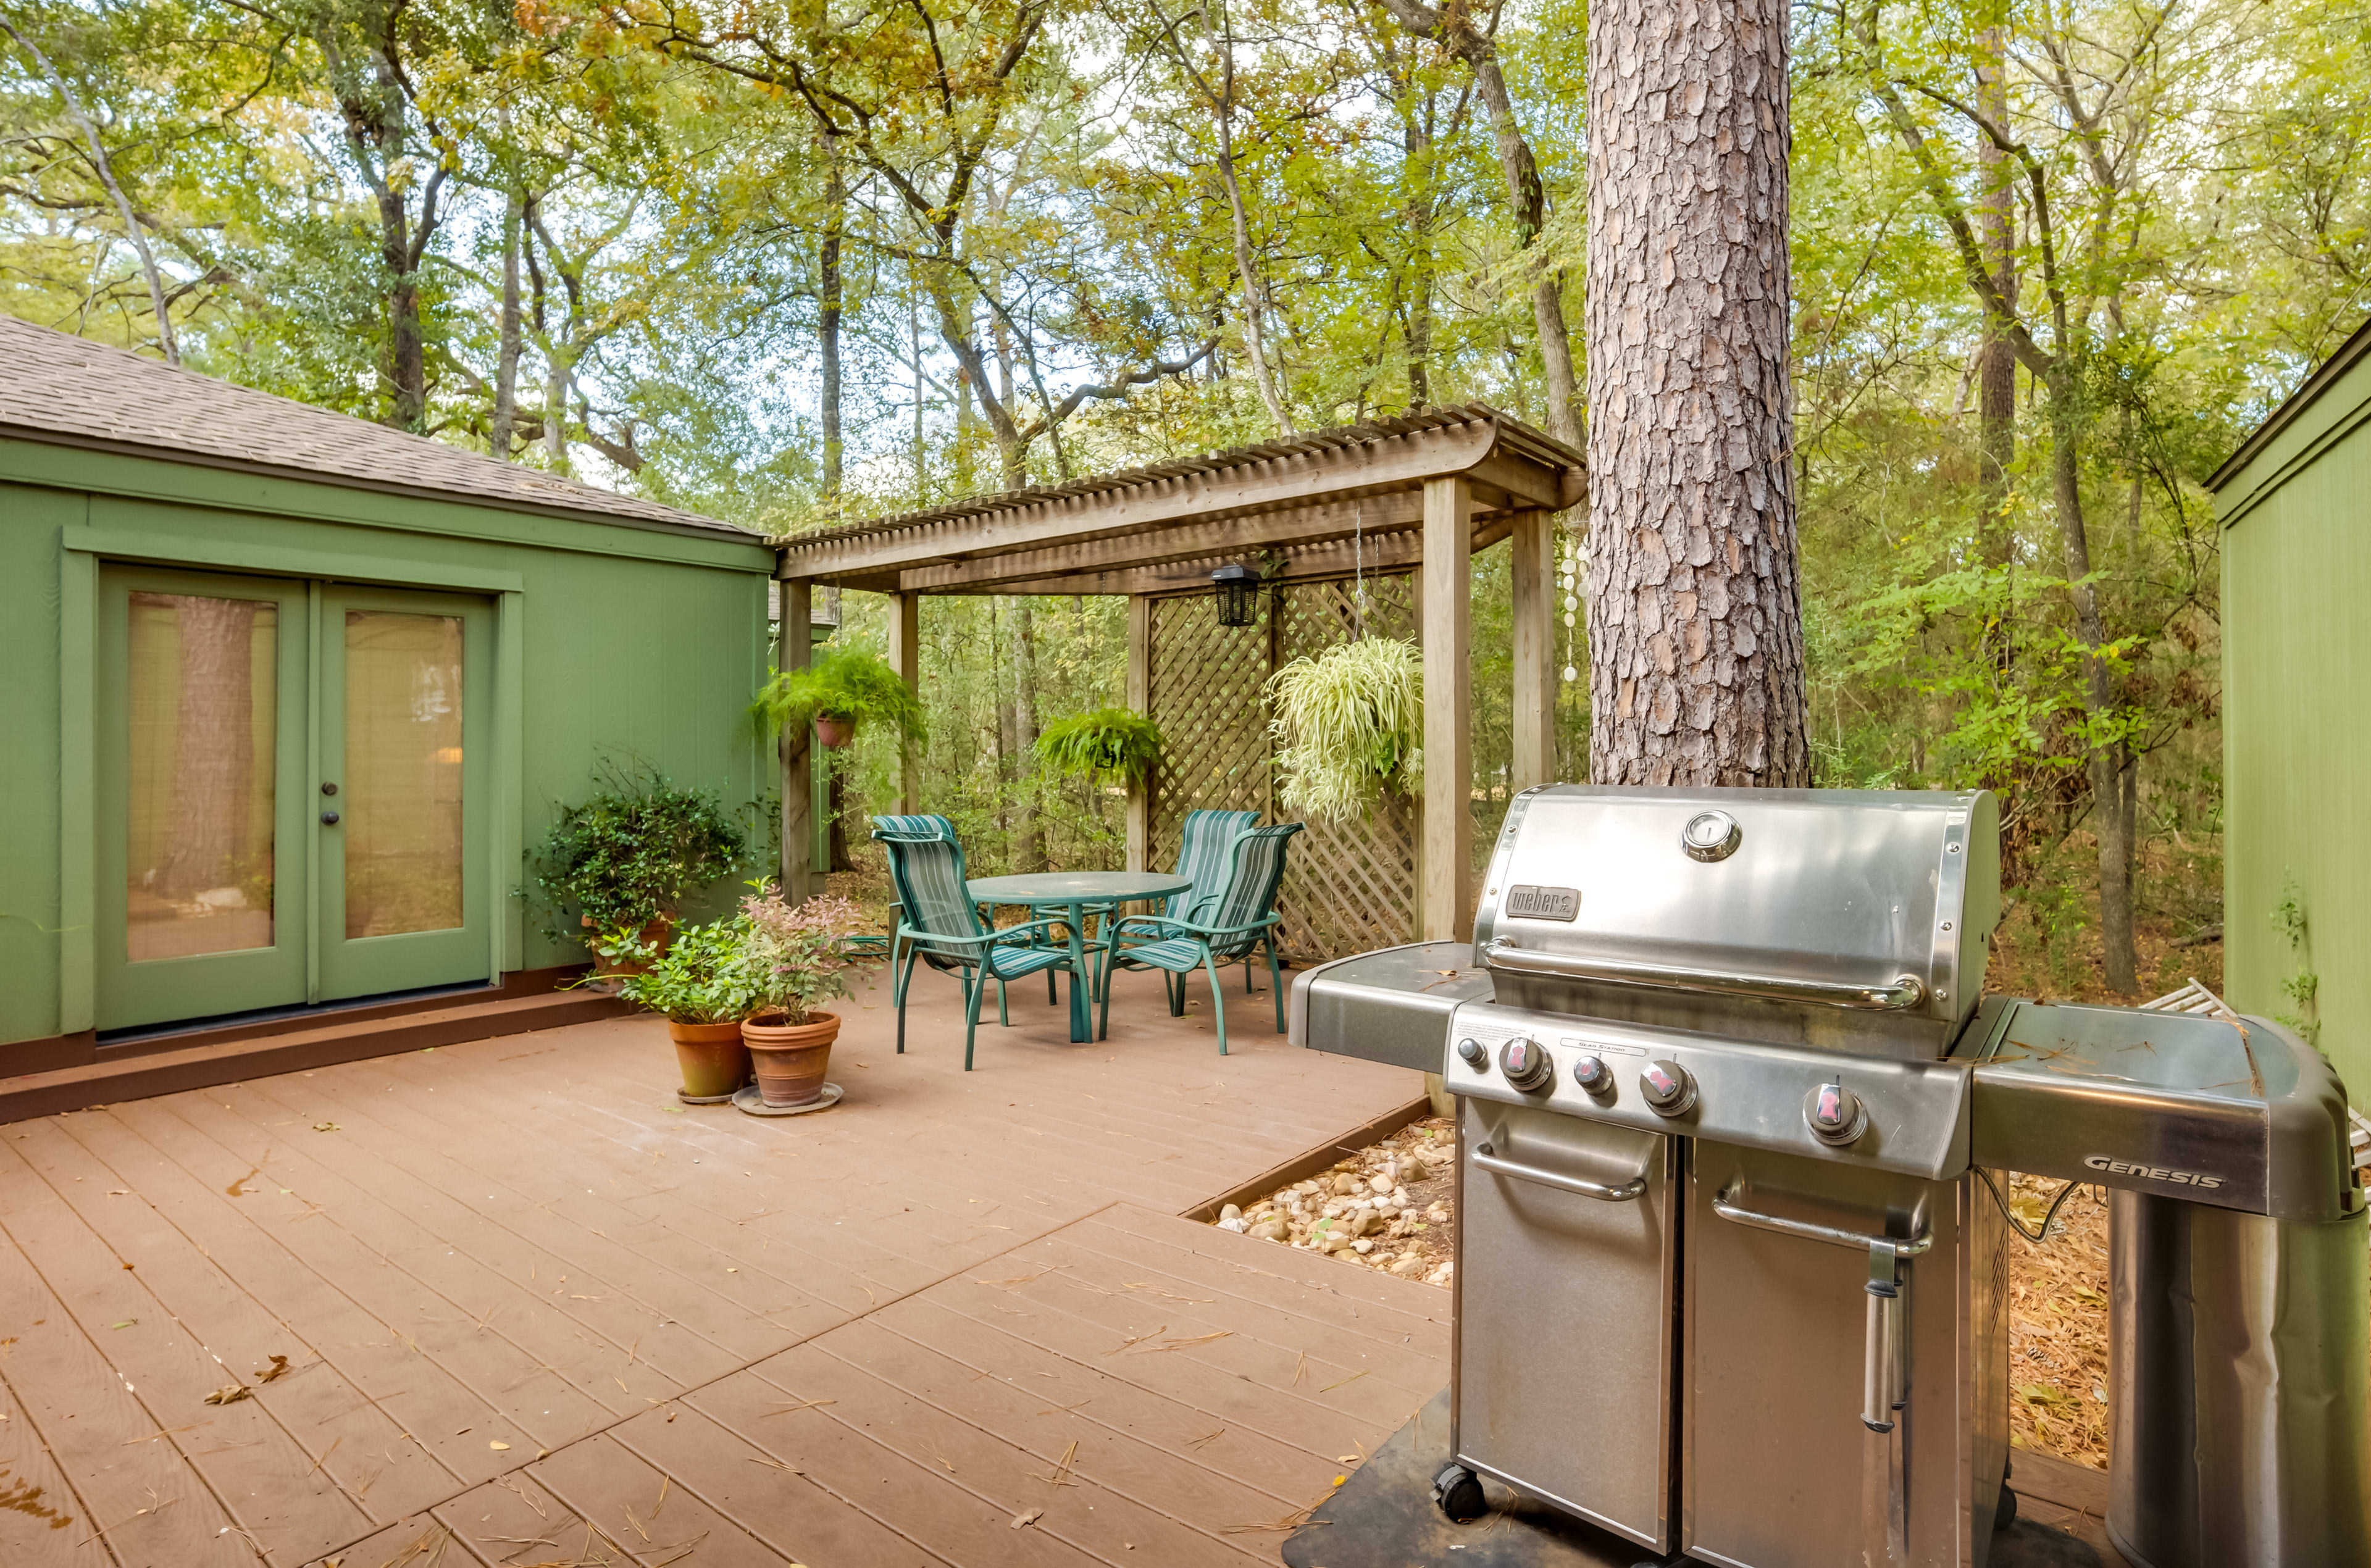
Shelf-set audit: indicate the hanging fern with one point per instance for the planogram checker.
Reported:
(1350, 723)
(1112, 742)
(844, 682)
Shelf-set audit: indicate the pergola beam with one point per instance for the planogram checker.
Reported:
(1297, 525)
(1445, 884)
(1392, 463)
(1394, 551)
(799, 881)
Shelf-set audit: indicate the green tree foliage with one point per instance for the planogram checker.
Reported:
(791, 264)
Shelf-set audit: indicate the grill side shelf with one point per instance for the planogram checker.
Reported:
(1392, 1005)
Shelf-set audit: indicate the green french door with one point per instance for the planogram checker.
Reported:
(406, 711)
(293, 802)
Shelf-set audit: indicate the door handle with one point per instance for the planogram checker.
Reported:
(1884, 1381)
(1488, 1159)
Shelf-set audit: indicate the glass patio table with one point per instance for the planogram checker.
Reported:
(1070, 892)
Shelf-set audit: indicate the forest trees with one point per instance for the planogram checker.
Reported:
(789, 264)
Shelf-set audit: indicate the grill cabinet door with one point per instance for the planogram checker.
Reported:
(1565, 1317)
(1780, 1470)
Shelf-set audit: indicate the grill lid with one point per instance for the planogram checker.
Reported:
(1855, 919)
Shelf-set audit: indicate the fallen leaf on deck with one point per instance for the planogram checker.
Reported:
(230, 1393)
(325, 1127)
(498, 1446)
(279, 1369)
(1030, 1518)
(125, 1324)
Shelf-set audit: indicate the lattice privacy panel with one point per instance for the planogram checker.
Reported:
(1347, 889)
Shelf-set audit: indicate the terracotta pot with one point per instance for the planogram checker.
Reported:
(835, 733)
(790, 1058)
(661, 931)
(714, 1060)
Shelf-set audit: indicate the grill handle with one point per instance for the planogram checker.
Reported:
(1487, 1159)
(1884, 1371)
(1903, 992)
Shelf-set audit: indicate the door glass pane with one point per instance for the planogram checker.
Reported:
(205, 713)
(402, 784)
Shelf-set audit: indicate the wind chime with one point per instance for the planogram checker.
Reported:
(1569, 572)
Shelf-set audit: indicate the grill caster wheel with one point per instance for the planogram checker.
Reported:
(1458, 1493)
(2004, 1511)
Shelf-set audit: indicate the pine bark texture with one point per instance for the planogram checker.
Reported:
(1694, 610)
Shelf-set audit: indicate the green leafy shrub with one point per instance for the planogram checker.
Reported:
(708, 975)
(1349, 724)
(847, 683)
(1110, 743)
(628, 855)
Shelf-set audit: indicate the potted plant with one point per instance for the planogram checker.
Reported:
(797, 959)
(845, 684)
(1350, 723)
(706, 984)
(621, 861)
(1110, 743)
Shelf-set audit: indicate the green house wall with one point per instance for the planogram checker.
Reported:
(614, 642)
(2296, 714)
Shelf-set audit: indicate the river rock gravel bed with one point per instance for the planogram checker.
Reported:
(1388, 1207)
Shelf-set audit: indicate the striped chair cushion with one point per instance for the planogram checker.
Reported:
(1205, 854)
(926, 861)
(1250, 891)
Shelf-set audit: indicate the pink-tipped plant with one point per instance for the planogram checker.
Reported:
(799, 956)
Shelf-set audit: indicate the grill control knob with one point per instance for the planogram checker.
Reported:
(1473, 1051)
(1668, 1088)
(1526, 1065)
(1592, 1075)
(1834, 1115)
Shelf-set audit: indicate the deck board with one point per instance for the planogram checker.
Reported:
(526, 1294)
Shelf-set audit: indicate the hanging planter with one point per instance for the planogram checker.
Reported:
(1349, 725)
(1110, 743)
(843, 686)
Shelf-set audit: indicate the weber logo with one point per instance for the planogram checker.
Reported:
(1530, 902)
(2154, 1173)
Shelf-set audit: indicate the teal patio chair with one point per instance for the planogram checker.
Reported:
(1202, 854)
(1230, 926)
(939, 923)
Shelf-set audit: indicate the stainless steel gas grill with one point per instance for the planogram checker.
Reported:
(1730, 1279)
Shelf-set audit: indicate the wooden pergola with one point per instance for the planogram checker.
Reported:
(1423, 492)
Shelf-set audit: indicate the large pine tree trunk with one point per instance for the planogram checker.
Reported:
(1694, 609)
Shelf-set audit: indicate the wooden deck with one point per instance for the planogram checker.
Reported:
(535, 1312)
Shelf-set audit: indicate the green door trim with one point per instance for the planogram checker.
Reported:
(279, 560)
(84, 549)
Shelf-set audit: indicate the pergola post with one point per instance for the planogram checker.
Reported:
(1444, 895)
(1140, 699)
(1534, 710)
(799, 880)
(906, 658)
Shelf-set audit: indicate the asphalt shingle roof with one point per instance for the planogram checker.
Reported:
(58, 386)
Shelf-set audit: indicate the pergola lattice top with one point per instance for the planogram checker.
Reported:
(1320, 504)
(1424, 490)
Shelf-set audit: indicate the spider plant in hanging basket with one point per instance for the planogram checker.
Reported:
(1349, 724)
(1110, 743)
(842, 687)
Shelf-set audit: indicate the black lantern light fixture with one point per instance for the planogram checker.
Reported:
(1238, 595)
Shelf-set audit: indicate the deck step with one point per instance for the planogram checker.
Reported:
(137, 1076)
